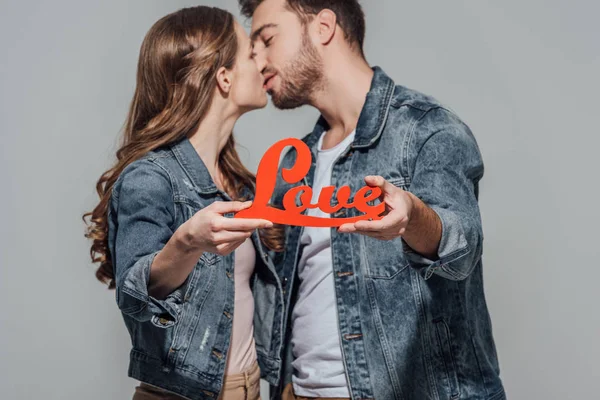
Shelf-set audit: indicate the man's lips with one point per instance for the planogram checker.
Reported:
(268, 81)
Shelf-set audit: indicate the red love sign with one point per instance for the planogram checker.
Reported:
(292, 214)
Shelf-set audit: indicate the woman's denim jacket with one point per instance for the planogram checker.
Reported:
(180, 343)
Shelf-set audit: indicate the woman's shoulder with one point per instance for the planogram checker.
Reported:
(144, 189)
(145, 177)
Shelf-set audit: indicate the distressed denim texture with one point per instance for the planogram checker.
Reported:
(411, 328)
(180, 343)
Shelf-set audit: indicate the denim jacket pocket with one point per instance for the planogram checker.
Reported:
(384, 258)
(445, 359)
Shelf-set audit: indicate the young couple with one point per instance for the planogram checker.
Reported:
(383, 309)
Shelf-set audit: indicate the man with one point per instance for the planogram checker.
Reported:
(387, 309)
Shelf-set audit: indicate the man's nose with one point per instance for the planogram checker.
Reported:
(260, 60)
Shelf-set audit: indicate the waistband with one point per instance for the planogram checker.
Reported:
(244, 379)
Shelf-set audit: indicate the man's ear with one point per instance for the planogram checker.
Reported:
(224, 79)
(326, 22)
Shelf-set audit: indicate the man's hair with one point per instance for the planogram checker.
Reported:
(349, 13)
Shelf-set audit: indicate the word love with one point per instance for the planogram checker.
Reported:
(292, 213)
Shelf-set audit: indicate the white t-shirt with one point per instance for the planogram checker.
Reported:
(318, 364)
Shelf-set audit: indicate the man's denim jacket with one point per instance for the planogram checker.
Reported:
(411, 328)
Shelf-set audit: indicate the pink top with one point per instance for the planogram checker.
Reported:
(242, 353)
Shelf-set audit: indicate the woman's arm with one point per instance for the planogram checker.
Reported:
(208, 230)
(152, 258)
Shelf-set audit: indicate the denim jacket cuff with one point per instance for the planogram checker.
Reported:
(133, 298)
(453, 247)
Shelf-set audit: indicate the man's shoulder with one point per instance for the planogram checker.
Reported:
(431, 112)
(407, 97)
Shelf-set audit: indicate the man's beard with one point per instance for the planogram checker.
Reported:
(300, 78)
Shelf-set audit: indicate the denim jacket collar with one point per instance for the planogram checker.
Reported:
(372, 117)
(193, 166)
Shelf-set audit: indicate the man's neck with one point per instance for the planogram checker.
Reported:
(342, 98)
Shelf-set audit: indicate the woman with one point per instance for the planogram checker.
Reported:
(162, 232)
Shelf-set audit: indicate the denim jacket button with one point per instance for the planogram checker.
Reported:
(339, 213)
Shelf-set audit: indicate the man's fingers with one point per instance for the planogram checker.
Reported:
(372, 226)
(365, 226)
(347, 228)
(378, 181)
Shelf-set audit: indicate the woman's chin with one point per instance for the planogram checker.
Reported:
(263, 102)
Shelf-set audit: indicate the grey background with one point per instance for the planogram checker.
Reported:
(522, 74)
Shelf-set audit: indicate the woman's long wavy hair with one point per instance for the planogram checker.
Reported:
(176, 79)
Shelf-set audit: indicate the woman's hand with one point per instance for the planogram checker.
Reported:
(209, 231)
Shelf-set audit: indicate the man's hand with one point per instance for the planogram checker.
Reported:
(399, 206)
(406, 216)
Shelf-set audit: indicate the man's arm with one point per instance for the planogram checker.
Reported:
(424, 229)
(447, 167)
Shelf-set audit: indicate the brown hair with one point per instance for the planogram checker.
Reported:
(177, 66)
(350, 15)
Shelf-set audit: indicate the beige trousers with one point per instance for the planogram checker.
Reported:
(244, 386)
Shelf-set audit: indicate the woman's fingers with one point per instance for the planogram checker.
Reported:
(224, 207)
(226, 248)
(243, 224)
(228, 236)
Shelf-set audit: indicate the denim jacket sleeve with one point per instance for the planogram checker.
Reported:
(144, 217)
(446, 170)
